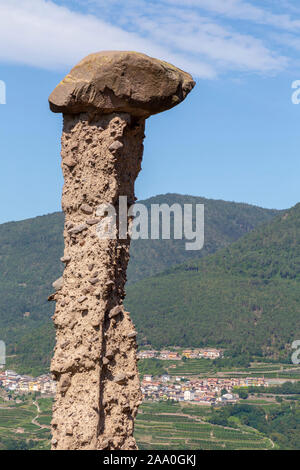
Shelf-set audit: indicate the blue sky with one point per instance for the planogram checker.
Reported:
(237, 135)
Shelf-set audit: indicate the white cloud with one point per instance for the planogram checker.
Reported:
(38, 32)
(243, 10)
(221, 46)
(43, 34)
(289, 40)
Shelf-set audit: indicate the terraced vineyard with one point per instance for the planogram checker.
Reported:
(158, 426)
(162, 426)
(200, 367)
(17, 428)
(190, 367)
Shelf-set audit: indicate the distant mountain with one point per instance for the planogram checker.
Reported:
(225, 222)
(29, 262)
(244, 297)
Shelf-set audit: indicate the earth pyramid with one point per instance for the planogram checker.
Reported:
(105, 100)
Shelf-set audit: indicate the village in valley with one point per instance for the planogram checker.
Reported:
(178, 388)
(10, 381)
(208, 391)
(192, 399)
(207, 353)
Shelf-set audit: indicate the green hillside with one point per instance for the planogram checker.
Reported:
(225, 222)
(244, 297)
(29, 262)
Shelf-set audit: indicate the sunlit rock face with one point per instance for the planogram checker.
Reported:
(105, 101)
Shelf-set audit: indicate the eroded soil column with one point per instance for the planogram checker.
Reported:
(98, 391)
(105, 100)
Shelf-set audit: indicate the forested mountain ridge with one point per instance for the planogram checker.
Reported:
(225, 222)
(30, 252)
(244, 297)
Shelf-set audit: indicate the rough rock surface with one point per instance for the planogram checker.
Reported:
(95, 364)
(120, 81)
(105, 100)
